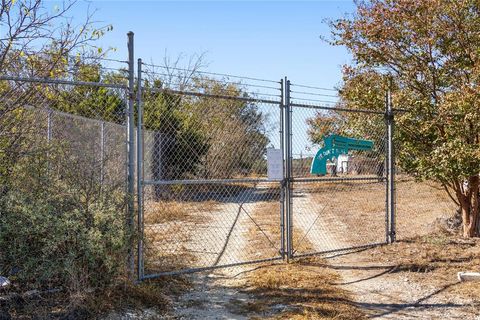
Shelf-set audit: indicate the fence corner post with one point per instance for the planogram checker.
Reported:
(282, 183)
(131, 156)
(288, 169)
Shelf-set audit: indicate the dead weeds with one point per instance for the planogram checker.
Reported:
(168, 211)
(359, 207)
(434, 259)
(94, 304)
(303, 289)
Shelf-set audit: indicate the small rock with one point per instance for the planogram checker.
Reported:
(279, 307)
(468, 276)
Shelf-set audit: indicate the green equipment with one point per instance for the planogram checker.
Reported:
(333, 146)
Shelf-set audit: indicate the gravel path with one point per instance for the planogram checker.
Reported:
(214, 294)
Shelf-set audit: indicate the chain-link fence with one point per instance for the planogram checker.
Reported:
(192, 160)
(63, 175)
(203, 173)
(201, 150)
(204, 142)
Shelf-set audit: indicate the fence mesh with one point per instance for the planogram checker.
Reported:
(204, 153)
(63, 186)
(340, 203)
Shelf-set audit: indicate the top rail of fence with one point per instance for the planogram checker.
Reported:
(64, 82)
(69, 69)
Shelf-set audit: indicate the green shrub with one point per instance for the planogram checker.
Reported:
(54, 233)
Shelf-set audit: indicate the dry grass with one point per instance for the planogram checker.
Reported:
(267, 217)
(167, 233)
(418, 205)
(167, 211)
(198, 192)
(360, 208)
(435, 259)
(303, 289)
(352, 212)
(94, 304)
(432, 252)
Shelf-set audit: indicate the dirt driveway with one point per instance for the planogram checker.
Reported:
(414, 278)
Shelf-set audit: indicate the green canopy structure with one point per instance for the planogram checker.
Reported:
(333, 146)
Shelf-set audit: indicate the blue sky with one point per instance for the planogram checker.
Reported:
(269, 39)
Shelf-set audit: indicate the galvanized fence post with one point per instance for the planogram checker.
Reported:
(391, 168)
(49, 125)
(49, 136)
(102, 153)
(131, 155)
(282, 185)
(288, 168)
(140, 264)
(387, 172)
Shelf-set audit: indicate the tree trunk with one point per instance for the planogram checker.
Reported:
(469, 203)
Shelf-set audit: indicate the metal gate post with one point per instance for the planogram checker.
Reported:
(140, 174)
(288, 167)
(391, 168)
(131, 156)
(102, 153)
(49, 136)
(387, 173)
(282, 183)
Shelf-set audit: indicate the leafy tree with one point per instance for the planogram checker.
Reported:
(90, 101)
(197, 136)
(323, 124)
(430, 50)
(28, 29)
(234, 129)
(34, 41)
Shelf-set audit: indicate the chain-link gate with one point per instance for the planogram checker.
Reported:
(341, 202)
(203, 173)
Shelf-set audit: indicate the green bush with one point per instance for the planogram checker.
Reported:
(54, 233)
